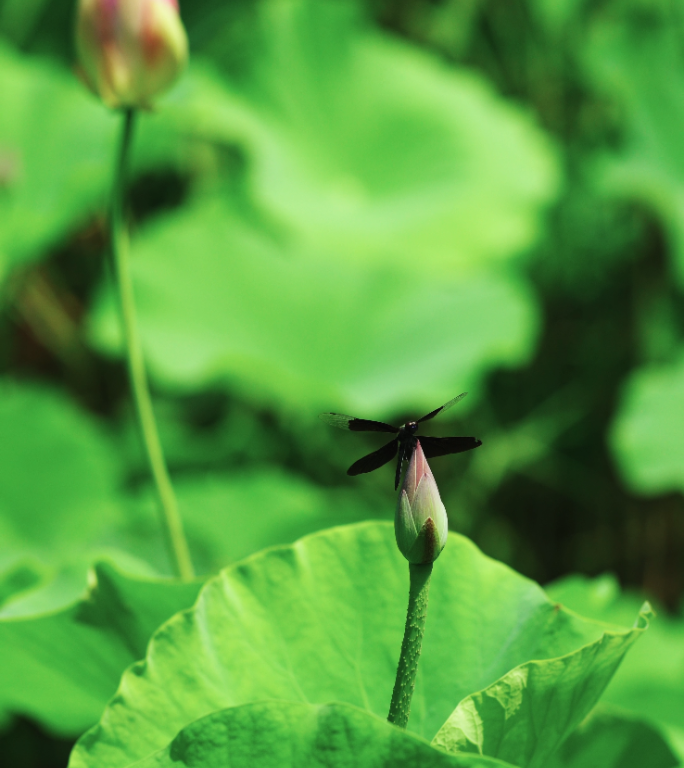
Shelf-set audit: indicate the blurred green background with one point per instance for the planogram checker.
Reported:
(364, 207)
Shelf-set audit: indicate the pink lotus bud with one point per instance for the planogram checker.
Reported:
(130, 50)
(420, 523)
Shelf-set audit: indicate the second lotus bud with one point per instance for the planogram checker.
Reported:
(130, 50)
(420, 524)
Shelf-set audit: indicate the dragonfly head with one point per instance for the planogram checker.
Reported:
(409, 428)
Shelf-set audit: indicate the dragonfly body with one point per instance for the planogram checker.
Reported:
(404, 442)
(407, 440)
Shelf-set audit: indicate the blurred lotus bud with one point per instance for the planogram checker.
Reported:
(130, 50)
(421, 523)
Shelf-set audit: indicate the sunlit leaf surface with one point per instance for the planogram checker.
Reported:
(218, 299)
(322, 621)
(370, 149)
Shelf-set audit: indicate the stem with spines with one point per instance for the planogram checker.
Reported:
(416, 615)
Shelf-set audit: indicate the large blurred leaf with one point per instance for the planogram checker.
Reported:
(61, 668)
(524, 716)
(363, 146)
(218, 298)
(19, 574)
(611, 739)
(55, 147)
(229, 517)
(61, 506)
(59, 496)
(650, 682)
(635, 59)
(647, 435)
(292, 734)
(322, 621)
(57, 471)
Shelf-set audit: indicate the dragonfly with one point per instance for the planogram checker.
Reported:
(405, 441)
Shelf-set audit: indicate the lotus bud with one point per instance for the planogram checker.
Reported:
(420, 524)
(130, 50)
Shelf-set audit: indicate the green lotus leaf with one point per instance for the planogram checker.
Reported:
(58, 473)
(633, 59)
(61, 506)
(60, 503)
(322, 621)
(526, 715)
(291, 734)
(19, 574)
(610, 738)
(650, 680)
(369, 150)
(227, 517)
(61, 668)
(646, 436)
(46, 187)
(220, 300)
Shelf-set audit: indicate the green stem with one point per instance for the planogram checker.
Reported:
(400, 707)
(171, 521)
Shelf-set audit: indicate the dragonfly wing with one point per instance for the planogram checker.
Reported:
(442, 408)
(374, 460)
(442, 446)
(341, 421)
